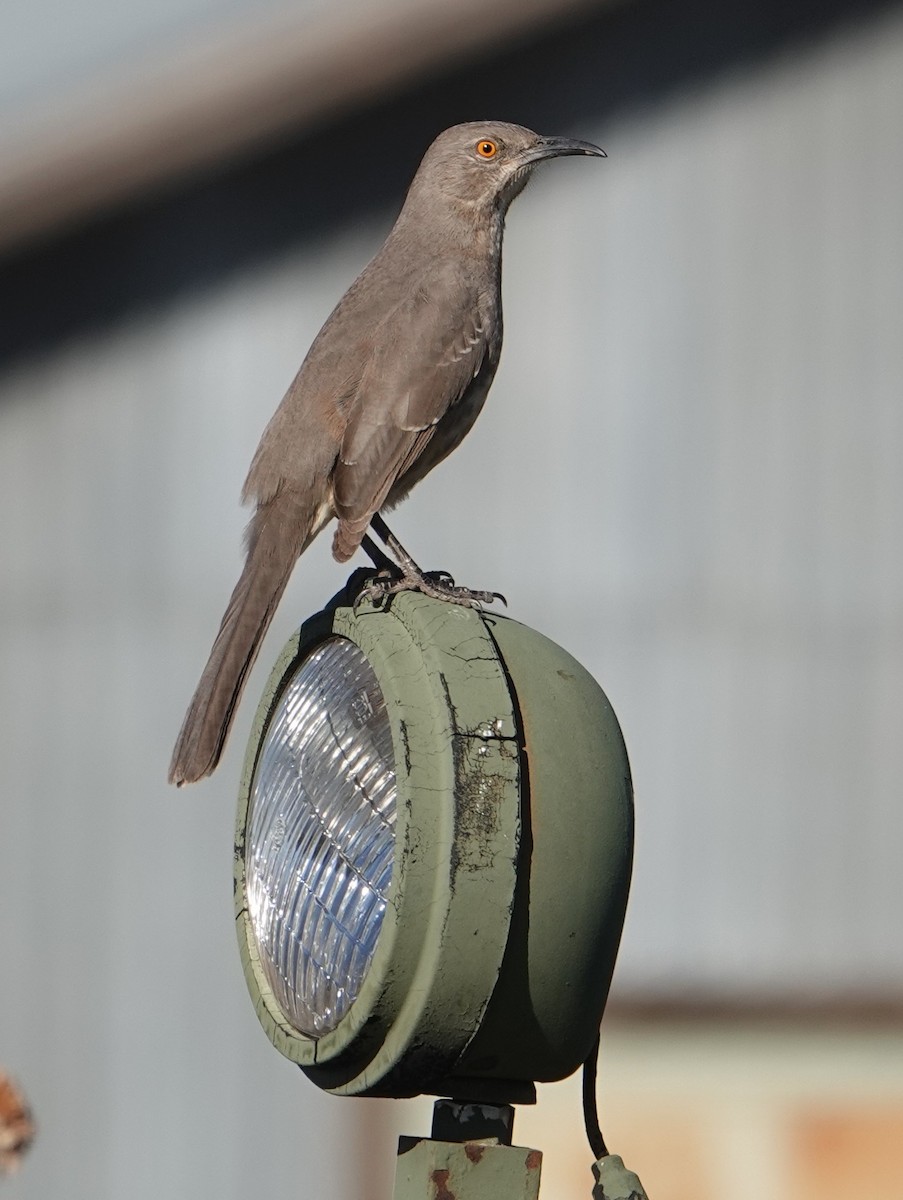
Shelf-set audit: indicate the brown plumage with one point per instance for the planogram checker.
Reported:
(392, 383)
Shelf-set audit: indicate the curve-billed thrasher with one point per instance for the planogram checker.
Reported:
(390, 386)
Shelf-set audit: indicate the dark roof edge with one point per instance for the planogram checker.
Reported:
(216, 100)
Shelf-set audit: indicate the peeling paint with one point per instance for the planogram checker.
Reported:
(403, 729)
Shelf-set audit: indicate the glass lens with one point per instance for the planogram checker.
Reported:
(320, 836)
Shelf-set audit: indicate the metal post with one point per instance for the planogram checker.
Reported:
(469, 1157)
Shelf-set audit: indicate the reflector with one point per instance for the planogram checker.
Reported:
(321, 836)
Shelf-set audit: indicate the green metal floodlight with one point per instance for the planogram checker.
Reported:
(433, 853)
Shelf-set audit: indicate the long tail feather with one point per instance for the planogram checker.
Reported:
(278, 533)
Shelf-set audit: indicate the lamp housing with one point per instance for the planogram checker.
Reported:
(493, 774)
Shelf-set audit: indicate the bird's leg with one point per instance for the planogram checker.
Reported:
(403, 557)
(408, 576)
(377, 586)
(382, 562)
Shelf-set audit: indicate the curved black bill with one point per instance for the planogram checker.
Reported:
(557, 147)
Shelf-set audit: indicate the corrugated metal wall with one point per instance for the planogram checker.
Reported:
(688, 474)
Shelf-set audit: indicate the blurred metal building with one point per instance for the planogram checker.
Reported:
(688, 473)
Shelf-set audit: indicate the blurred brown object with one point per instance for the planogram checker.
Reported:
(16, 1126)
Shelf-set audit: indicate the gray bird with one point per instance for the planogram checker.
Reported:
(392, 383)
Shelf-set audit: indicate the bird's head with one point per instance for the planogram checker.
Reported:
(487, 163)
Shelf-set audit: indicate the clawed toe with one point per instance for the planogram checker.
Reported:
(376, 588)
(439, 585)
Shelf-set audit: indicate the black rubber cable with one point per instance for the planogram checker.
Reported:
(590, 1109)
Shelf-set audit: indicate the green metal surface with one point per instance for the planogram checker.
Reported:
(432, 1170)
(574, 870)
(512, 865)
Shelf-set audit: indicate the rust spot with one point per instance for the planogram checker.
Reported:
(474, 1151)
(534, 1159)
(439, 1180)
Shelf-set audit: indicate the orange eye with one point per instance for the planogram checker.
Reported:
(487, 148)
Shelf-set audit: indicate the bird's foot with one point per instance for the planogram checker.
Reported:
(406, 576)
(437, 584)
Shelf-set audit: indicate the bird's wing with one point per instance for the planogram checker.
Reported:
(418, 370)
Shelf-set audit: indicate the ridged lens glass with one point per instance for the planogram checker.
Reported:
(321, 836)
